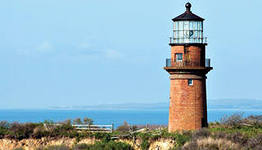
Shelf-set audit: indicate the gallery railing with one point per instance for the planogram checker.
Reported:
(169, 63)
(174, 40)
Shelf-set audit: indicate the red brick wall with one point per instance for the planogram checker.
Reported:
(194, 54)
(174, 50)
(187, 104)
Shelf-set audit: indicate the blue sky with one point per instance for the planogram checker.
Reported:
(85, 52)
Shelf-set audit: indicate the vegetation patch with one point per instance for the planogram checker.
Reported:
(111, 145)
(233, 132)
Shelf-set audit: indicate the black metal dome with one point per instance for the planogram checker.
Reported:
(188, 15)
(188, 6)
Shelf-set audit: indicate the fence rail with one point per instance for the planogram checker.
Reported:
(94, 128)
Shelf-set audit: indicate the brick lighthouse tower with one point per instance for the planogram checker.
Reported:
(187, 68)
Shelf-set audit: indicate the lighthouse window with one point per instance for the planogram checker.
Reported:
(179, 57)
(190, 82)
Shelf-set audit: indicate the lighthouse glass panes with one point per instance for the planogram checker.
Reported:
(188, 32)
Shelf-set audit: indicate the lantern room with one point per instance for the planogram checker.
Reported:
(188, 28)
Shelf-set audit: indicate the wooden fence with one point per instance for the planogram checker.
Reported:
(94, 128)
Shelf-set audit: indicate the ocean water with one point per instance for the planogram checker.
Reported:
(102, 117)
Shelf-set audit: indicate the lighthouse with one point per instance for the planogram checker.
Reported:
(188, 68)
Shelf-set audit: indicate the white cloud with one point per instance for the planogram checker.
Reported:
(84, 45)
(25, 52)
(113, 54)
(82, 51)
(44, 47)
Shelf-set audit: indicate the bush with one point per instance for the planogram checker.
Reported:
(21, 131)
(56, 147)
(104, 137)
(4, 125)
(68, 122)
(255, 142)
(77, 121)
(233, 128)
(233, 120)
(145, 137)
(255, 121)
(181, 139)
(88, 121)
(192, 145)
(123, 128)
(211, 144)
(104, 146)
(40, 132)
(202, 133)
(81, 147)
(237, 138)
(220, 135)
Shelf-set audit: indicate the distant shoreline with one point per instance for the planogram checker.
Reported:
(213, 105)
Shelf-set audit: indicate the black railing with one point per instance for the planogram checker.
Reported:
(188, 40)
(169, 63)
(208, 62)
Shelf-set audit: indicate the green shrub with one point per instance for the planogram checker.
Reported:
(145, 144)
(103, 136)
(4, 125)
(77, 121)
(181, 139)
(117, 146)
(56, 147)
(145, 137)
(81, 147)
(233, 128)
(165, 134)
(21, 131)
(111, 145)
(3, 132)
(88, 121)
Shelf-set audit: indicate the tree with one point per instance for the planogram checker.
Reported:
(85, 120)
(124, 128)
(77, 121)
(88, 121)
(4, 124)
(68, 121)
